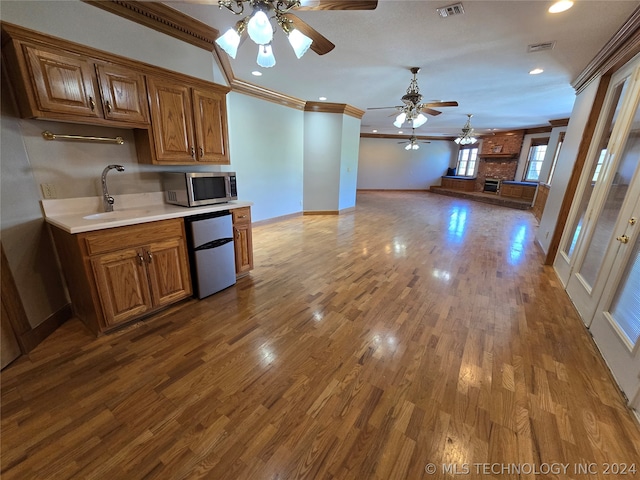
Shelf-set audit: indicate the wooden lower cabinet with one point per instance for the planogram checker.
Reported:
(121, 274)
(243, 240)
(466, 185)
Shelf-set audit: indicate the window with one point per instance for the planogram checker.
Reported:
(555, 158)
(467, 159)
(537, 152)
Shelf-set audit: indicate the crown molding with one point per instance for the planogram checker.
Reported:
(262, 93)
(405, 137)
(342, 108)
(621, 48)
(163, 19)
(561, 122)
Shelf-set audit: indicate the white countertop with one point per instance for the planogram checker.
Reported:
(77, 215)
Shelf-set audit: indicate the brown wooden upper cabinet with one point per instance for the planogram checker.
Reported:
(62, 85)
(188, 123)
(123, 92)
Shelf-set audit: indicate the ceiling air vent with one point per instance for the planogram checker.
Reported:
(539, 47)
(455, 9)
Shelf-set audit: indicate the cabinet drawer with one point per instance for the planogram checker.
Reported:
(112, 239)
(241, 215)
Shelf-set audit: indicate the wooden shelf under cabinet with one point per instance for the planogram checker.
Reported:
(121, 274)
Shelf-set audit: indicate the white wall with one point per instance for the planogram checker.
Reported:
(349, 162)
(25, 239)
(566, 160)
(266, 147)
(385, 164)
(322, 157)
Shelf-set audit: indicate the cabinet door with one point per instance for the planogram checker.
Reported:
(63, 83)
(122, 284)
(244, 248)
(124, 94)
(172, 121)
(210, 122)
(168, 271)
(242, 239)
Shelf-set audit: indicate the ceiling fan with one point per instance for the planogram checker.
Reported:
(413, 108)
(412, 142)
(258, 25)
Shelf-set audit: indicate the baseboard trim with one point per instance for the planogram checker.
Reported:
(35, 336)
(392, 190)
(321, 212)
(276, 219)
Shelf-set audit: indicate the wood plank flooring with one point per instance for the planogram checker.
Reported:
(417, 329)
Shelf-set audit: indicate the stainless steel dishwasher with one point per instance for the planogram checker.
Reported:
(211, 252)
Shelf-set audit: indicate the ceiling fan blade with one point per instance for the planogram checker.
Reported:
(320, 44)
(430, 111)
(441, 104)
(338, 5)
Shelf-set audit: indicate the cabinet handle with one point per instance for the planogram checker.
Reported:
(92, 104)
(140, 259)
(242, 216)
(201, 152)
(623, 239)
(149, 256)
(108, 105)
(193, 152)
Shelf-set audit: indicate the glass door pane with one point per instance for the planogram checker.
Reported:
(604, 228)
(625, 308)
(576, 228)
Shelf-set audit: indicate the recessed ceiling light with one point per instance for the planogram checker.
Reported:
(375, 131)
(256, 73)
(561, 6)
(322, 98)
(536, 71)
(400, 132)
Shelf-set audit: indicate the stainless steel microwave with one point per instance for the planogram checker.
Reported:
(194, 189)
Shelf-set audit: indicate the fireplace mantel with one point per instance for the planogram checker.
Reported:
(498, 156)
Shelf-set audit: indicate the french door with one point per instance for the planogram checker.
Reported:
(599, 257)
(616, 324)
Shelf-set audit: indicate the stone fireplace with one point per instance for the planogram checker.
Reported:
(498, 160)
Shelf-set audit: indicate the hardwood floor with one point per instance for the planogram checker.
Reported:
(417, 329)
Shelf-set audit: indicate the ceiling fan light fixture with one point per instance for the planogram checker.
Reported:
(419, 120)
(299, 42)
(259, 28)
(266, 58)
(230, 40)
(400, 120)
(467, 136)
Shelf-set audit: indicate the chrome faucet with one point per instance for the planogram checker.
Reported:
(108, 200)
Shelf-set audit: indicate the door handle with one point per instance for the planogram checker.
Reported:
(623, 239)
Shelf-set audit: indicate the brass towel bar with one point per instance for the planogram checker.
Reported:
(52, 136)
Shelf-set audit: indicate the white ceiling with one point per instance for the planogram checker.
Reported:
(479, 59)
